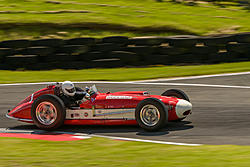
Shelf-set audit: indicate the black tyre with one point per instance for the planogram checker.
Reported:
(23, 43)
(81, 41)
(38, 50)
(48, 112)
(151, 114)
(178, 94)
(115, 39)
(48, 42)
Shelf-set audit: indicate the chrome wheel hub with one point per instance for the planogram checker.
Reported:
(150, 115)
(46, 113)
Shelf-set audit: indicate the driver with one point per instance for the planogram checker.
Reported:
(73, 96)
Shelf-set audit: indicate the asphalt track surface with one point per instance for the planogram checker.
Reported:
(221, 115)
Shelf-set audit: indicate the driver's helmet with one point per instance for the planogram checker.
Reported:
(68, 88)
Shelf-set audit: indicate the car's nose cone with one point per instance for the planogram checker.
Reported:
(183, 108)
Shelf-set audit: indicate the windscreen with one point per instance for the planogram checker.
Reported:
(93, 90)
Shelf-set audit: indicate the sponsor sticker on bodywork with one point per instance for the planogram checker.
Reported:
(118, 97)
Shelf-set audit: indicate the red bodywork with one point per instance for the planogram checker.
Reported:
(22, 111)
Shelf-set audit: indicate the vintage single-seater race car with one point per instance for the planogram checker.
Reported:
(48, 110)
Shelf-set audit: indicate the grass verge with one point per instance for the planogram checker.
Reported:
(52, 18)
(110, 153)
(120, 74)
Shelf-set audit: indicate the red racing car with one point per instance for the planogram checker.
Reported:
(48, 110)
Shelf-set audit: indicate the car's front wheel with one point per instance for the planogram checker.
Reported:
(48, 112)
(150, 114)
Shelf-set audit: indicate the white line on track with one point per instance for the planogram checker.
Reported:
(86, 136)
(144, 81)
(168, 84)
(147, 141)
(139, 83)
(196, 77)
(20, 84)
(196, 85)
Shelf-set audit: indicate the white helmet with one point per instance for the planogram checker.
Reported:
(68, 88)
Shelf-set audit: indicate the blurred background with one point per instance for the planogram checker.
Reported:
(39, 19)
(80, 34)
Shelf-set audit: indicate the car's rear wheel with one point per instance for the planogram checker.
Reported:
(177, 94)
(150, 114)
(48, 112)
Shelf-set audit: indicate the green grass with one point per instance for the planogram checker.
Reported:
(120, 74)
(18, 16)
(42, 32)
(111, 153)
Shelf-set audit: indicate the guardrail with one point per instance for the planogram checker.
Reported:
(120, 51)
